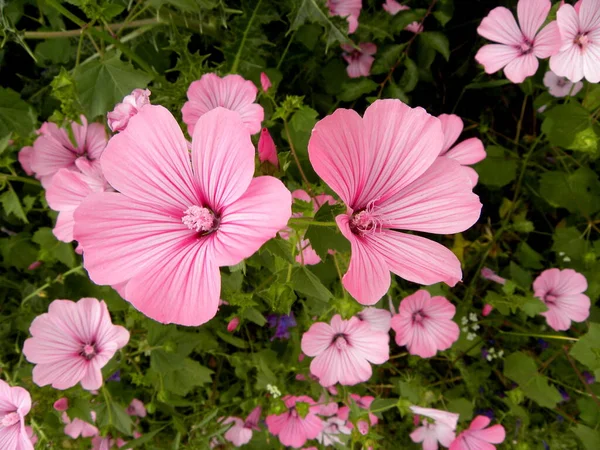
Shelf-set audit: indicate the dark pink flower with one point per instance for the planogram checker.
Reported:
(233, 324)
(296, 425)
(62, 404)
(487, 309)
(132, 103)
(359, 60)
(241, 431)
(265, 83)
(478, 436)
(266, 148)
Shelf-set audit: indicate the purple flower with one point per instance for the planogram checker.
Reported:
(564, 394)
(542, 344)
(589, 378)
(115, 376)
(281, 325)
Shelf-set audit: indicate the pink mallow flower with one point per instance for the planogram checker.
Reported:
(490, 275)
(79, 428)
(333, 427)
(579, 53)
(343, 350)
(486, 310)
(241, 431)
(359, 60)
(393, 8)
(563, 293)
(298, 424)
(25, 156)
(378, 319)
(230, 92)
(136, 408)
(265, 82)
(72, 342)
(440, 431)
(132, 103)
(478, 436)
(178, 218)
(62, 404)
(518, 49)
(386, 169)
(466, 153)
(363, 403)
(561, 86)
(233, 324)
(15, 403)
(267, 152)
(350, 9)
(424, 324)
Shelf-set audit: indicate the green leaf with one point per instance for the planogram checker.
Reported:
(487, 84)
(102, 84)
(444, 11)
(563, 122)
(386, 58)
(522, 369)
(112, 414)
(577, 192)
(307, 283)
(186, 378)
(410, 77)
(354, 89)
(587, 349)
(495, 170)
(533, 306)
(52, 249)
(146, 438)
(569, 242)
(592, 97)
(463, 407)
(520, 276)
(392, 90)
(11, 203)
(253, 315)
(281, 248)
(236, 342)
(589, 437)
(323, 239)
(437, 41)
(16, 116)
(529, 257)
(316, 12)
(300, 126)
(54, 51)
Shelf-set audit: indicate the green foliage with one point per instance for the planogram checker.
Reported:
(523, 370)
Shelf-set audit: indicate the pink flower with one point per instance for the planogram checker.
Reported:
(518, 48)
(265, 82)
(72, 342)
(179, 220)
(378, 319)
(136, 408)
(393, 8)
(560, 86)
(53, 149)
(487, 309)
(469, 151)
(563, 293)
(327, 408)
(25, 156)
(579, 53)
(343, 350)
(230, 92)
(359, 61)
(350, 9)
(363, 403)
(266, 148)
(241, 432)
(31, 434)
(385, 167)
(298, 424)
(333, 427)
(34, 265)
(77, 427)
(476, 437)
(489, 274)
(441, 431)
(233, 324)
(107, 443)
(132, 103)
(62, 404)
(424, 324)
(15, 403)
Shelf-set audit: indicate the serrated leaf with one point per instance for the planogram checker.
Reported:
(410, 77)
(354, 89)
(386, 58)
(53, 249)
(587, 349)
(12, 205)
(16, 116)
(187, 377)
(315, 12)
(307, 283)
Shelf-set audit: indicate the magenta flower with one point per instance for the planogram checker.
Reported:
(386, 169)
(378, 319)
(15, 403)
(178, 220)
(233, 324)
(489, 274)
(298, 424)
(579, 53)
(343, 350)
(350, 9)
(62, 404)
(478, 436)
(72, 342)
(440, 431)
(136, 408)
(466, 153)
(563, 293)
(230, 92)
(132, 103)
(518, 48)
(79, 428)
(486, 310)
(424, 324)
(267, 152)
(359, 60)
(241, 431)
(561, 86)
(265, 82)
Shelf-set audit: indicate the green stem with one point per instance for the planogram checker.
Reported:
(308, 221)
(20, 179)
(520, 123)
(287, 47)
(295, 155)
(107, 400)
(238, 55)
(78, 32)
(544, 336)
(60, 277)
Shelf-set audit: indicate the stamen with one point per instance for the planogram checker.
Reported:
(340, 342)
(418, 316)
(88, 351)
(10, 419)
(199, 219)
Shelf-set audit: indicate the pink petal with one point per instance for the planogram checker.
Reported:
(317, 339)
(500, 26)
(568, 63)
(556, 319)
(25, 156)
(378, 319)
(67, 190)
(444, 417)
(479, 423)
(568, 24)
(570, 282)
(95, 140)
(63, 229)
(494, 434)
(494, 57)
(548, 41)
(471, 174)
(452, 126)
(266, 148)
(469, 151)
(591, 61)
(522, 67)
(532, 14)
(589, 15)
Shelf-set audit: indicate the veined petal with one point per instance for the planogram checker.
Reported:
(532, 14)
(500, 26)
(522, 67)
(452, 126)
(548, 41)
(494, 57)
(467, 152)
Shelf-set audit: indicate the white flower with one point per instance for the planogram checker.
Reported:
(473, 317)
(274, 391)
(471, 336)
(475, 327)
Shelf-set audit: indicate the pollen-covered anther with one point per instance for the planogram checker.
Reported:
(199, 219)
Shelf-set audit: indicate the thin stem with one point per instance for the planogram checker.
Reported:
(287, 47)
(520, 123)
(33, 181)
(238, 55)
(544, 336)
(308, 221)
(295, 155)
(78, 32)
(58, 278)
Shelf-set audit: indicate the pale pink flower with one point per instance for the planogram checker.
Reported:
(561, 86)
(386, 169)
(266, 148)
(107, 443)
(136, 408)
(241, 431)
(563, 293)
(53, 149)
(478, 436)
(333, 427)
(579, 53)
(265, 82)
(72, 342)
(132, 103)
(77, 427)
(327, 409)
(489, 274)
(350, 9)
(25, 156)
(359, 60)
(62, 404)
(233, 324)
(393, 8)
(378, 319)
(343, 350)
(292, 429)
(424, 324)
(441, 431)
(487, 309)
(414, 27)
(518, 48)
(230, 92)
(31, 434)
(363, 403)
(15, 403)
(466, 153)
(178, 219)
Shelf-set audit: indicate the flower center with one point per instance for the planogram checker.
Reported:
(363, 222)
(88, 351)
(10, 419)
(340, 342)
(418, 316)
(200, 219)
(582, 40)
(550, 298)
(526, 47)
(561, 82)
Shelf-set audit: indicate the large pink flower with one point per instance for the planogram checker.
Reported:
(119, 117)
(162, 238)
(53, 149)
(230, 92)
(293, 427)
(469, 151)
(344, 349)
(579, 54)
(385, 167)
(518, 48)
(72, 342)
(424, 324)
(15, 403)
(359, 60)
(350, 9)
(478, 437)
(241, 431)
(563, 293)
(441, 430)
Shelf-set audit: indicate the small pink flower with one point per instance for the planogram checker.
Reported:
(393, 8)
(487, 309)
(327, 409)
(25, 156)
(136, 408)
(266, 148)
(561, 86)
(241, 432)
(359, 61)
(265, 82)
(62, 404)
(424, 324)
(441, 431)
(378, 319)
(363, 403)
(350, 9)
(34, 265)
(77, 427)
(563, 293)
(72, 342)
(132, 103)
(579, 53)
(333, 427)
(362, 426)
(466, 153)
(293, 427)
(518, 49)
(343, 350)
(107, 443)
(230, 92)
(15, 403)
(489, 274)
(233, 324)
(477, 437)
